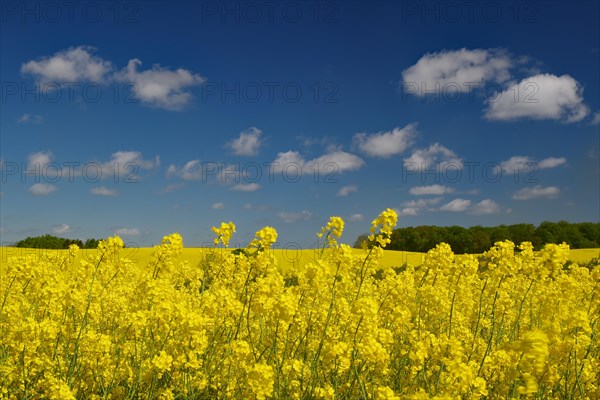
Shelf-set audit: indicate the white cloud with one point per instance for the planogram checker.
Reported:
(42, 189)
(291, 217)
(457, 71)
(160, 87)
(356, 218)
(61, 229)
(456, 205)
(37, 161)
(218, 206)
(551, 162)
(191, 171)
(486, 206)
(103, 191)
(430, 190)
(516, 163)
(336, 161)
(329, 164)
(523, 163)
(538, 191)
(386, 144)
(227, 174)
(543, 96)
(128, 232)
(72, 65)
(435, 157)
(595, 118)
(125, 165)
(157, 87)
(30, 118)
(171, 170)
(248, 143)
(415, 207)
(246, 187)
(346, 190)
(287, 158)
(407, 211)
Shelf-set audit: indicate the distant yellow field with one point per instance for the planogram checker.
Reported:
(287, 259)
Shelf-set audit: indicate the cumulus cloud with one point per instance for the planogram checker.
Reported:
(127, 232)
(287, 159)
(61, 229)
(551, 162)
(218, 206)
(191, 171)
(457, 71)
(521, 163)
(227, 174)
(330, 163)
(71, 65)
(356, 218)
(415, 207)
(456, 205)
(38, 161)
(430, 190)
(595, 118)
(246, 187)
(125, 165)
(435, 157)
(103, 191)
(543, 96)
(336, 161)
(536, 192)
(157, 87)
(291, 217)
(30, 118)
(486, 206)
(42, 189)
(346, 190)
(386, 144)
(248, 143)
(160, 87)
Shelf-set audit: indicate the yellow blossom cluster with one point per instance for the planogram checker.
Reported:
(510, 323)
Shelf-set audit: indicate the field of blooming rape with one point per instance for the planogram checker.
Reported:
(511, 323)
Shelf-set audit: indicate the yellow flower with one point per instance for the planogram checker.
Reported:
(384, 225)
(261, 380)
(264, 238)
(335, 227)
(224, 233)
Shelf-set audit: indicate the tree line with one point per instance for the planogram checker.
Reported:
(54, 242)
(478, 239)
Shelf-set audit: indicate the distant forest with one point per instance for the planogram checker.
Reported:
(53, 242)
(478, 239)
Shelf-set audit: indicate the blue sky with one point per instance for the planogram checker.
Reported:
(284, 114)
